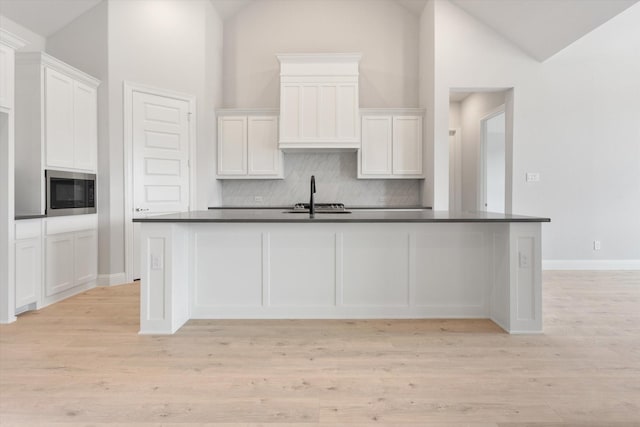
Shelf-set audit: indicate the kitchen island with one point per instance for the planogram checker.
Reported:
(270, 264)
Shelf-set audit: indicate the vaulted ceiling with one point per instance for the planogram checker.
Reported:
(541, 28)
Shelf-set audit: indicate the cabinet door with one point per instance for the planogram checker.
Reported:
(347, 112)
(407, 145)
(85, 256)
(375, 154)
(6, 76)
(58, 119)
(232, 145)
(290, 99)
(85, 127)
(59, 254)
(263, 154)
(28, 260)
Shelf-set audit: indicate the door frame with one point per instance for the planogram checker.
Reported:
(129, 88)
(455, 198)
(482, 161)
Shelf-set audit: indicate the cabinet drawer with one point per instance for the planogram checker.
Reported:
(28, 228)
(71, 223)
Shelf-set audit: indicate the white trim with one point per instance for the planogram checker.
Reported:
(591, 264)
(248, 112)
(112, 279)
(128, 89)
(9, 39)
(392, 111)
(41, 58)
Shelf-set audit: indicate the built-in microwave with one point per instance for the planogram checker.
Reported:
(70, 193)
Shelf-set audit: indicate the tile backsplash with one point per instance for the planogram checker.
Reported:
(336, 181)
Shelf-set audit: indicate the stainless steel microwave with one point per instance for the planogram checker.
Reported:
(70, 193)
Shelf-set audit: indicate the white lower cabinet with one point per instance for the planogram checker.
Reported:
(59, 255)
(391, 144)
(28, 263)
(85, 257)
(71, 256)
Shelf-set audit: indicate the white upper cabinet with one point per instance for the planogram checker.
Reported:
(59, 120)
(391, 144)
(248, 145)
(232, 145)
(85, 126)
(64, 111)
(8, 44)
(264, 157)
(319, 101)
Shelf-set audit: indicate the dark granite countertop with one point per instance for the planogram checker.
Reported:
(19, 217)
(346, 207)
(356, 216)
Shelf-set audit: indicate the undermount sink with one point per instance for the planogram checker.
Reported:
(317, 211)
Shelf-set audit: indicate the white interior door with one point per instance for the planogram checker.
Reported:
(160, 138)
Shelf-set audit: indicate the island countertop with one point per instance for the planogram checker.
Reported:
(356, 216)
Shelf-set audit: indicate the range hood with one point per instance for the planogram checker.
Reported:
(319, 107)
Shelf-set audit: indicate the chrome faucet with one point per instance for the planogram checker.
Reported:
(312, 206)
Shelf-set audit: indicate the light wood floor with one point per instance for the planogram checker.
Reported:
(81, 362)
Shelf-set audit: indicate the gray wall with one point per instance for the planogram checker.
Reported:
(385, 33)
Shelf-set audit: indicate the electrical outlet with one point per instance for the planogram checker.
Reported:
(382, 199)
(156, 262)
(596, 245)
(258, 199)
(533, 177)
(523, 260)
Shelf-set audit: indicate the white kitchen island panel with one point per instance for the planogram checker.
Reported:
(342, 270)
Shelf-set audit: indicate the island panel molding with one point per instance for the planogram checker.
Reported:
(340, 270)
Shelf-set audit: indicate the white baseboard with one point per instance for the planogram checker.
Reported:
(589, 264)
(112, 279)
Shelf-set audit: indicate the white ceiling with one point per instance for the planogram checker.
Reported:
(45, 17)
(541, 28)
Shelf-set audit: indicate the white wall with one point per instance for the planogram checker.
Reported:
(34, 42)
(426, 59)
(170, 44)
(575, 122)
(384, 32)
(173, 45)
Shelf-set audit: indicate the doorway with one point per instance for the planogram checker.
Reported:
(492, 170)
(159, 149)
(482, 118)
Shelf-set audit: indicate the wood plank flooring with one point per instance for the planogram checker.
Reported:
(81, 362)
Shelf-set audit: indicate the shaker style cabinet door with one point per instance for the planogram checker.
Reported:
(263, 153)
(28, 261)
(85, 127)
(85, 256)
(59, 118)
(232, 145)
(59, 260)
(376, 152)
(407, 145)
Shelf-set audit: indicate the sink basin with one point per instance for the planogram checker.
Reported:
(306, 211)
